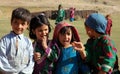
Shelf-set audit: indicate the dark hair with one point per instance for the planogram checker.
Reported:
(38, 21)
(21, 13)
(63, 31)
(59, 7)
(108, 15)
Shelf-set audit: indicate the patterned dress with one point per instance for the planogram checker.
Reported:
(48, 58)
(70, 62)
(101, 53)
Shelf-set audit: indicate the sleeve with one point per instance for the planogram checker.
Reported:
(53, 52)
(109, 56)
(4, 64)
(29, 68)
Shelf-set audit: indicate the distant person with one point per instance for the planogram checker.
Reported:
(109, 25)
(99, 51)
(72, 14)
(45, 51)
(60, 14)
(70, 61)
(16, 50)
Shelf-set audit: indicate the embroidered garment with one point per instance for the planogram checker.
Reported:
(68, 63)
(101, 53)
(48, 58)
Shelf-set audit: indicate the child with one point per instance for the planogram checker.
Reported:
(69, 61)
(60, 14)
(45, 53)
(109, 25)
(100, 50)
(16, 51)
(72, 14)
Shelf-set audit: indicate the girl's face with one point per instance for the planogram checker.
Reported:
(41, 32)
(19, 26)
(65, 38)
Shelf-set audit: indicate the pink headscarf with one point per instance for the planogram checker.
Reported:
(60, 25)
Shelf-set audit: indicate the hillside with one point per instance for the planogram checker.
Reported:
(103, 6)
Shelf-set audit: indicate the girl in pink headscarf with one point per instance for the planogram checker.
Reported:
(70, 61)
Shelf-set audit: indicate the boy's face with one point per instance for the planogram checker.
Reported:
(65, 38)
(19, 26)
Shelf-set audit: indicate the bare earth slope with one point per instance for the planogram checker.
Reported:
(104, 6)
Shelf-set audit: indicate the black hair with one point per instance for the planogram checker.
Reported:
(38, 21)
(21, 13)
(59, 7)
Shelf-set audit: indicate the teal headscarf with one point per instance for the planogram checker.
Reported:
(97, 22)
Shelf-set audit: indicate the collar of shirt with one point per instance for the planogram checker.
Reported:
(20, 36)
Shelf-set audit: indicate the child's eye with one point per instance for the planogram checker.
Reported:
(68, 33)
(15, 22)
(40, 30)
(46, 29)
(23, 23)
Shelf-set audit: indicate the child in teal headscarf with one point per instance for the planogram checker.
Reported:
(99, 50)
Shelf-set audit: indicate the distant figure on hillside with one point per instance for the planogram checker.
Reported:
(109, 24)
(60, 14)
(72, 14)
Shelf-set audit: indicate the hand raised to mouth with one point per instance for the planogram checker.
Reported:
(44, 42)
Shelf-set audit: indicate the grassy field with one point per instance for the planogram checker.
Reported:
(40, 5)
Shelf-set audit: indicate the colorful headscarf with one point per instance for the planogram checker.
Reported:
(97, 22)
(60, 25)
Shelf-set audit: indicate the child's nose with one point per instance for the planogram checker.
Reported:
(19, 25)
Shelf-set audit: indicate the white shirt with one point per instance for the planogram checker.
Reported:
(12, 61)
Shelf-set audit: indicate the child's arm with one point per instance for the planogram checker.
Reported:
(51, 50)
(4, 64)
(55, 52)
(109, 52)
(29, 67)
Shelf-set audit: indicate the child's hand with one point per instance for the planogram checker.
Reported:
(80, 48)
(37, 56)
(44, 42)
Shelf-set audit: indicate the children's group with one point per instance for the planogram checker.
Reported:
(64, 53)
